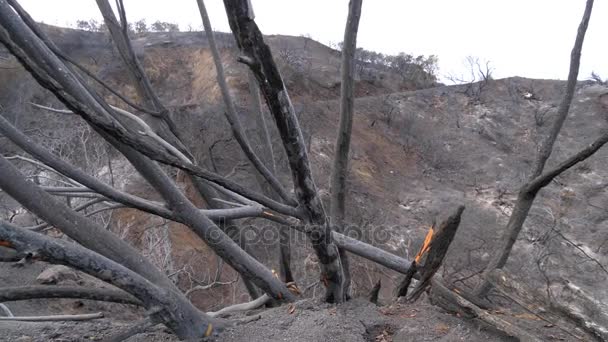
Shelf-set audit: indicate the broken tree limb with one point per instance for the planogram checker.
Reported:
(362, 249)
(437, 250)
(472, 310)
(54, 318)
(8, 294)
(372, 253)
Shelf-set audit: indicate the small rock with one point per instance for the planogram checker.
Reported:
(56, 274)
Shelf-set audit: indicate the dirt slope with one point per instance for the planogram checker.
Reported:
(415, 156)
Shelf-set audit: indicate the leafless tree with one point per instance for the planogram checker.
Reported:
(539, 178)
(347, 101)
(595, 77)
(479, 77)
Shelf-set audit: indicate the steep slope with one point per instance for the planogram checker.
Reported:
(415, 156)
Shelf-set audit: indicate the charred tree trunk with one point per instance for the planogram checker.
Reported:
(339, 172)
(266, 147)
(528, 192)
(267, 173)
(257, 55)
(268, 154)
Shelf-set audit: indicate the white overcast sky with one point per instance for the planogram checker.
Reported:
(530, 38)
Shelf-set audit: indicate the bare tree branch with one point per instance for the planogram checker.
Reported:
(6, 310)
(57, 77)
(200, 224)
(79, 176)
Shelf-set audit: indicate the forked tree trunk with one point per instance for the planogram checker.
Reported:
(339, 172)
(528, 193)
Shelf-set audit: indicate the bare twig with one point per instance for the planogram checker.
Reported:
(55, 318)
(254, 304)
(6, 310)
